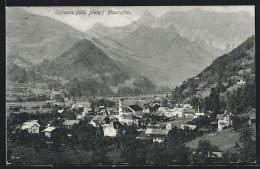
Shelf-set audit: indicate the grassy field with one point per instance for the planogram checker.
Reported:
(223, 139)
(115, 156)
(64, 156)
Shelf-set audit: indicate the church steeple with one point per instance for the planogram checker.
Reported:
(120, 109)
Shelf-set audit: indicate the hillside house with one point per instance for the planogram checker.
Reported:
(223, 121)
(31, 126)
(99, 120)
(69, 123)
(158, 135)
(241, 81)
(252, 117)
(47, 131)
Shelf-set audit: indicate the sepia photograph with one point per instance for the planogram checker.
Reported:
(130, 85)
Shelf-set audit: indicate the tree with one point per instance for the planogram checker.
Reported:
(248, 152)
(204, 152)
(101, 157)
(154, 155)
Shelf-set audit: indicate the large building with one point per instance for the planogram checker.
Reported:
(31, 126)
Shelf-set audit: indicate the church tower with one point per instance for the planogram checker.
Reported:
(120, 109)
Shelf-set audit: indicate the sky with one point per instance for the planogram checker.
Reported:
(85, 21)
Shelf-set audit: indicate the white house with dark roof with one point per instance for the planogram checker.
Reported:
(31, 126)
(135, 109)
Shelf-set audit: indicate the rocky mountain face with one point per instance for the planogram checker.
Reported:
(177, 44)
(166, 49)
(223, 31)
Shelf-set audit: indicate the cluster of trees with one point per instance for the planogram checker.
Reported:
(230, 63)
(141, 85)
(18, 74)
(88, 87)
(102, 102)
(240, 101)
(245, 153)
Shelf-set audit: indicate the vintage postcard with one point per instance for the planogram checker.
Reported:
(130, 85)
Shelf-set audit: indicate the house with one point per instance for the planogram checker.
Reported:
(189, 126)
(252, 117)
(169, 126)
(158, 135)
(176, 112)
(102, 109)
(129, 119)
(87, 109)
(187, 106)
(80, 116)
(136, 110)
(188, 112)
(99, 120)
(31, 126)
(240, 81)
(69, 123)
(47, 131)
(111, 110)
(223, 121)
(196, 115)
(60, 111)
(111, 130)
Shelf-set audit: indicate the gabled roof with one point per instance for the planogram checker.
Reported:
(252, 114)
(29, 124)
(70, 122)
(101, 117)
(130, 117)
(189, 111)
(135, 107)
(219, 116)
(139, 113)
(159, 132)
(49, 129)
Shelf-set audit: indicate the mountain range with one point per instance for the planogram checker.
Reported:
(165, 50)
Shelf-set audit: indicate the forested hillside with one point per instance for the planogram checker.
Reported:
(227, 84)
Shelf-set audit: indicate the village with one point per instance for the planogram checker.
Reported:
(153, 117)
